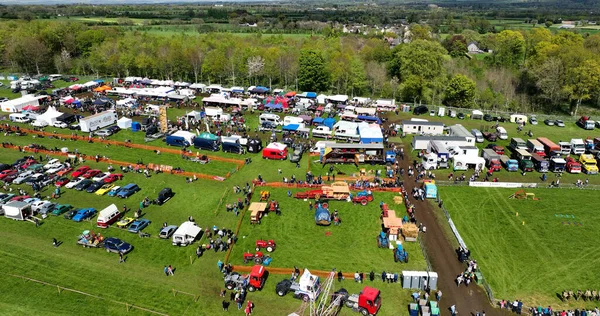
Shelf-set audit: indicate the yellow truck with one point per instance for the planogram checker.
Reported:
(588, 164)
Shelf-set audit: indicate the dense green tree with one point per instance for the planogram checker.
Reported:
(509, 49)
(456, 45)
(460, 92)
(582, 82)
(312, 74)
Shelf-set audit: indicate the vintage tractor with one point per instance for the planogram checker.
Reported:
(363, 197)
(264, 195)
(322, 215)
(400, 254)
(268, 245)
(274, 207)
(382, 240)
(257, 257)
(253, 281)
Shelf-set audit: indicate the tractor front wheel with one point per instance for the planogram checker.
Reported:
(257, 248)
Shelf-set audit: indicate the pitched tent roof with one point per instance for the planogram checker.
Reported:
(206, 135)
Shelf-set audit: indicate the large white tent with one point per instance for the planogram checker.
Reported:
(17, 105)
(50, 116)
(124, 123)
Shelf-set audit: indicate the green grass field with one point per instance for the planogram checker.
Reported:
(302, 243)
(534, 255)
(26, 250)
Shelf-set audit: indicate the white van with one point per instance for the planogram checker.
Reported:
(19, 118)
(501, 132)
(54, 77)
(271, 118)
(478, 135)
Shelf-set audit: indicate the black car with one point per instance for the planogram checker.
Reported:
(421, 109)
(83, 184)
(94, 187)
(461, 116)
(488, 118)
(71, 213)
(4, 166)
(490, 146)
(113, 129)
(500, 119)
(164, 195)
(74, 127)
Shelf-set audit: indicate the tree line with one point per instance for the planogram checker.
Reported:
(526, 70)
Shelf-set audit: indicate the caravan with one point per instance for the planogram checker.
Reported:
(186, 234)
(273, 119)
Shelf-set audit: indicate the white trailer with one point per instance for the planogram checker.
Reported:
(464, 162)
(18, 211)
(95, 122)
(186, 234)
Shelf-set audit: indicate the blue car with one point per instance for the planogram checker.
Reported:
(116, 245)
(138, 225)
(83, 214)
(128, 190)
(114, 191)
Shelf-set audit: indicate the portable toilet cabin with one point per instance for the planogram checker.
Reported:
(407, 279)
(422, 279)
(433, 280)
(136, 127)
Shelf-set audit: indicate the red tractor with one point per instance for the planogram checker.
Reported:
(253, 281)
(268, 245)
(363, 197)
(257, 257)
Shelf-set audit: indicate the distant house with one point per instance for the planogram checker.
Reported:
(472, 48)
(567, 26)
(422, 127)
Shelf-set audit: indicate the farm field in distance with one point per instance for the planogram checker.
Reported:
(536, 254)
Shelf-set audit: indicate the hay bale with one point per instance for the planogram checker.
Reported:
(410, 231)
(398, 200)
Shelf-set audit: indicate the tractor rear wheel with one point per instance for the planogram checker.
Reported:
(364, 202)
(395, 258)
(258, 260)
(270, 249)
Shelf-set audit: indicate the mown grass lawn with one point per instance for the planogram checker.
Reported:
(537, 254)
(26, 250)
(349, 247)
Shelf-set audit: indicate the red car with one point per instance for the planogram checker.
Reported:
(80, 171)
(27, 164)
(6, 173)
(20, 198)
(113, 177)
(62, 181)
(91, 173)
(64, 171)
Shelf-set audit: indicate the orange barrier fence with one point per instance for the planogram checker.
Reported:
(128, 145)
(318, 186)
(151, 167)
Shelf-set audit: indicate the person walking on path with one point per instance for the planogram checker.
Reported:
(453, 310)
(438, 295)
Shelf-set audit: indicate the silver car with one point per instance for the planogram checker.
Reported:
(103, 133)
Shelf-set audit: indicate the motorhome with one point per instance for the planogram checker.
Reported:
(270, 118)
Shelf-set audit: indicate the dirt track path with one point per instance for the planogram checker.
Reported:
(468, 300)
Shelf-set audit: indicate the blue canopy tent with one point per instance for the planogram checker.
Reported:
(329, 122)
(99, 81)
(274, 106)
(369, 119)
(237, 90)
(312, 95)
(322, 216)
(77, 103)
(259, 89)
(318, 121)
